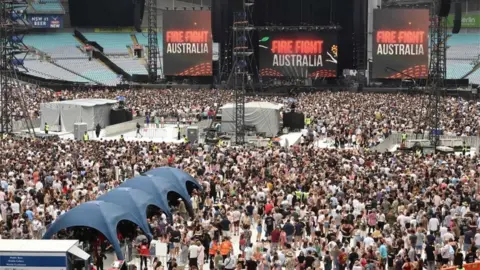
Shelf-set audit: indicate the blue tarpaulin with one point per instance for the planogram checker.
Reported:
(99, 215)
(134, 201)
(174, 174)
(128, 202)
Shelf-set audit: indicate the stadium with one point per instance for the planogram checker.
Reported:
(239, 134)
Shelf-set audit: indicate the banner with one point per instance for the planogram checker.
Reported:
(45, 21)
(187, 43)
(400, 43)
(298, 54)
(468, 20)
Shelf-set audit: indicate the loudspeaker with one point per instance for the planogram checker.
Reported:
(457, 22)
(138, 9)
(444, 8)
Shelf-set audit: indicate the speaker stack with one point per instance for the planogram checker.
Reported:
(457, 21)
(444, 8)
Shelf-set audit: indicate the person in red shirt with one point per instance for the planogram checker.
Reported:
(144, 253)
(275, 238)
(268, 208)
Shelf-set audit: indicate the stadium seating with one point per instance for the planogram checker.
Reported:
(47, 70)
(456, 69)
(94, 70)
(112, 43)
(475, 77)
(47, 6)
(462, 50)
(130, 65)
(50, 41)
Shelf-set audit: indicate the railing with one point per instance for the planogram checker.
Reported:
(449, 141)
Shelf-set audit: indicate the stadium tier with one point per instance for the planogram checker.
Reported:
(48, 70)
(463, 50)
(93, 70)
(130, 65)
(47, 7)
(112, 43)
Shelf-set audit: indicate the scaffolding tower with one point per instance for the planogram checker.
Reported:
(243, 59)
(153, 50)
(13, 26)
(436, 73)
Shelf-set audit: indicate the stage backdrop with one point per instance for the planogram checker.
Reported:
(400, 43)
(298, 54)
(187, 47)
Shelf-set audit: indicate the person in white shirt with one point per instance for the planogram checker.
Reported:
(477, 239)
(193, 255)
(230, 262)
(433, 224)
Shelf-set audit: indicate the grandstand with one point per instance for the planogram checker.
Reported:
(67, 61)
(46, 7)
(462, 57)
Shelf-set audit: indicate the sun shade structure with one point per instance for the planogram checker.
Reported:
(159, 187)
(134, 201)
(129, 202)
(99, 215)
(175, 174)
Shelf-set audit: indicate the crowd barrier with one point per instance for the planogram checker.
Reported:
(467, 266)
(451, 141)
(123, 127)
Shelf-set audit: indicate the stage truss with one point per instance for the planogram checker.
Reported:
(437, 72)
(13, 26)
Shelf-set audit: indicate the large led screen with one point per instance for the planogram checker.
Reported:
(187, 43)
(298, 54)
(400, 43)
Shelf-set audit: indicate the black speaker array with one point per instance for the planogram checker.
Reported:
(138, 9)
(457, 22)
(444, 8)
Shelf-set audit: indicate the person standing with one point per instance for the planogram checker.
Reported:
(193, 252)
(99, 260)
(144, 253)
(98, 128)
(138, 131)
(85, 137)
(45, 128)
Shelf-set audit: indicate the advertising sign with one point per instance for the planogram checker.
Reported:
(468, 20)
(298, 54)
(400, 43)
(187, 43)
(45, 21)
(20, 262)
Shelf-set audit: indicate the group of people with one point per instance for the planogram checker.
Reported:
(300, 207)
(339, 110)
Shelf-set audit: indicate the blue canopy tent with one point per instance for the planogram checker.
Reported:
(99, 215)
(159, 187)
(174, 173)
(134, 201)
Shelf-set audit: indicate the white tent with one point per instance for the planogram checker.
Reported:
(62, 115)
(265, 116)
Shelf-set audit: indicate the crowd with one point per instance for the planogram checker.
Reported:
(263, 208)
(269, 208)
(374, 114)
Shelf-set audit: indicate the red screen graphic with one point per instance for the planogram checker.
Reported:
(187, 43)
(187, 36)
(400, 43)
(400, 37)
(297, 46)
